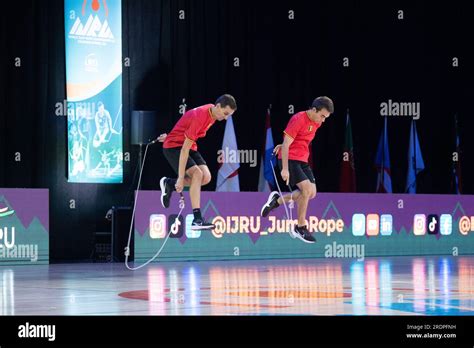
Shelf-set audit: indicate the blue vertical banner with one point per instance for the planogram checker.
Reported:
(94, 90)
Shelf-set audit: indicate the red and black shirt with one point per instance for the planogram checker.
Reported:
(192, 125)
(302, 130)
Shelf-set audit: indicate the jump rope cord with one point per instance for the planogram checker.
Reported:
(289, 215)
(174, 227)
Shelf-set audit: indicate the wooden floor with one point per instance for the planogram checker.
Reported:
(376, 286)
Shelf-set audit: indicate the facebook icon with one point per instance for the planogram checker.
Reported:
(446, 224)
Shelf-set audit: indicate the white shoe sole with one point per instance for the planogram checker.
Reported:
(163, 188)
(200, 228)
(294, 235)
(270, 198)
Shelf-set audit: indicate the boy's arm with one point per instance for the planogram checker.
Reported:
(285, 148)
(276, 149)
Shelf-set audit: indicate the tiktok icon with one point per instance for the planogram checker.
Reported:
(433, 224)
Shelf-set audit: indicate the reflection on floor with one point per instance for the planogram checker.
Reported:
(377, 286)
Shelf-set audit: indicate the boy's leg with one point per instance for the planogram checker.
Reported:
(198, 161)
(295, 196)
(200, 176)
(306, 193)
(206, 174)
(195, 176)
(167, 185)
(274, 199)
(306, 184)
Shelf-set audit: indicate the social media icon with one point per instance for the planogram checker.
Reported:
(386, 224)
(157, 226)
(419, 225)
(358, 224)
(446, 224)
(373, 224)
(176, 226)
(433, 224)
(189, 232)
(466, 225)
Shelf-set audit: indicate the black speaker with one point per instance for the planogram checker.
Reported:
(121, 218)
(144, 127)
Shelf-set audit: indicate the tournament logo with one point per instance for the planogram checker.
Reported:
(94, 30)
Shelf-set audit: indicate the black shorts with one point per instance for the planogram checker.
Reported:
(299, 171)
(172, 155)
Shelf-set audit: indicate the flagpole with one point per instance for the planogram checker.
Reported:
(269, 109)
(457, 165)
(414, 152)
(272, 187)
(383, 152)
(455, 179)
(345, 137)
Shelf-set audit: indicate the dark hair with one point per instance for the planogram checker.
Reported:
(99, 104)
(323, 103)
(227, 100)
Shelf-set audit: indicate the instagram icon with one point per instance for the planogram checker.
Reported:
(419, 225)
(157, 226)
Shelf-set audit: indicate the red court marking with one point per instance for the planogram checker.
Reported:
(139, 295)
(277, 293)
(293, 293)
(252, 305)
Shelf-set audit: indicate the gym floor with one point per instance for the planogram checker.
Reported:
(435, 285)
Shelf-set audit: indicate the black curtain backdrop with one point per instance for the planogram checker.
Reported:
(282, 62)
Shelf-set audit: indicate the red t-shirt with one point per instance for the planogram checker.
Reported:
(192, 125)
(302, 130)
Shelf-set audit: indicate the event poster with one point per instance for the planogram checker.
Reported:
(93, 35)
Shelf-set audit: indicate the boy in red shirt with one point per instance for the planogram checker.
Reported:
(180, 149)
(293, 161)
